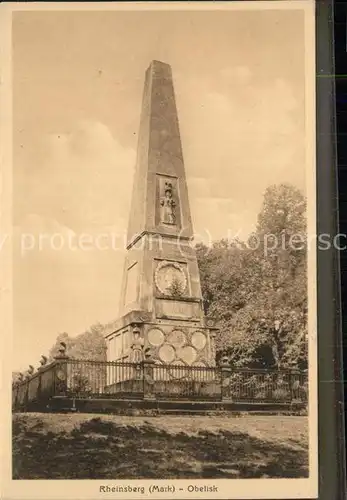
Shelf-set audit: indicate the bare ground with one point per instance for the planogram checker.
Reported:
(85, 446)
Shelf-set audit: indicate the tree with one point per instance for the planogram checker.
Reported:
(257, 289)
(84, 378)
(89, 345)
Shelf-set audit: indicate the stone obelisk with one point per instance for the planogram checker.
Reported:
(161, 301)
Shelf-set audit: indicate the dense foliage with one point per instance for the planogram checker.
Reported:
(88, 345)
(257, 289)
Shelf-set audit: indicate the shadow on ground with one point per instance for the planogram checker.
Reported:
(101, 449)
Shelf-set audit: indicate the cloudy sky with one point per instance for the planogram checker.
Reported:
(77, 88)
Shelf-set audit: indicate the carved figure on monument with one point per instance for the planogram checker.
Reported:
(168, 206)
(136, 355)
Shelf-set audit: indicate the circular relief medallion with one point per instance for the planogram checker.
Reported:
(198, 340)
(177, 338)
(167, 353)
(156, 337)
(187, 354)
(170, 278)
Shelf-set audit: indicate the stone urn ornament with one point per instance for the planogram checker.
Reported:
(43, 360)
(61, 351)
(149, 355)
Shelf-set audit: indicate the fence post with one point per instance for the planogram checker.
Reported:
(294, 379)
(225, 371)
(43, 362)
(60, 372)
(148, 375)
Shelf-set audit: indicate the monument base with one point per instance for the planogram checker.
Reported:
(172, 344)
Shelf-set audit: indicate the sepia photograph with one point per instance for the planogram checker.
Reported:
(162, 250)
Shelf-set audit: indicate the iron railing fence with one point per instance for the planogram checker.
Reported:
(78, 379)
(266, 386)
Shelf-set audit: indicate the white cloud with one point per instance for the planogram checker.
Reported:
(59, 289)
(86, 179)
(240, 142)
(237, 74)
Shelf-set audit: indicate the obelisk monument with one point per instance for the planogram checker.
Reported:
(161, 301)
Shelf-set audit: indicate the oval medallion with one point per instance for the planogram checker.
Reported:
(198, 340)
(177, 338)
(187, 354)
(167, 353)
(156, 337)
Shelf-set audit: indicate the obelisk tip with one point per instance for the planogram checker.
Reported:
(159, 66)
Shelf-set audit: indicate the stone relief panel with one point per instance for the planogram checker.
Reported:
(168, 205)
(178, 309)
(179, 346)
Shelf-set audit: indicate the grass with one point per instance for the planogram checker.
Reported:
(84, 446)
